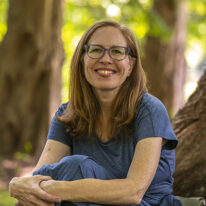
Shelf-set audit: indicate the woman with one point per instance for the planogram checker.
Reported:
(115, 139)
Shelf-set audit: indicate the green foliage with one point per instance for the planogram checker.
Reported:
(5, 199)
(28, 147)
(3, 16)
(159, 28)
(197, 22)
(21, 156)
(25, 155)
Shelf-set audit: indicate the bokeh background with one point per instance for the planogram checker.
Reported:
(37, 40)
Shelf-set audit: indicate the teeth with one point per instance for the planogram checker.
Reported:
(105, 72)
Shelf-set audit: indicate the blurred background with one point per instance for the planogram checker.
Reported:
(38, 38)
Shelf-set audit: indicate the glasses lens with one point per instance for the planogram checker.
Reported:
(118, 53)
(95, 51)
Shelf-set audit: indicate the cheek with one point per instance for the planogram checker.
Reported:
(130, 66)
(88, 63)
(85, 66)
(129, 71)
(126, 68)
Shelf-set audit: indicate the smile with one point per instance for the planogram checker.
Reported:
(105, 72)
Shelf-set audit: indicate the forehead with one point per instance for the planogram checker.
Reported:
(108, 36)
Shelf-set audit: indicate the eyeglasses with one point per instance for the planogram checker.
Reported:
(115, 52)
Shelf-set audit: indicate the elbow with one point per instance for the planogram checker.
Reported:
(132, 192)
(136, 199)
(136, 195)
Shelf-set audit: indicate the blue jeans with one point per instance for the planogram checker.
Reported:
(77, 167)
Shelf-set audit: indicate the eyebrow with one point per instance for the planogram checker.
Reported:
(107, 47)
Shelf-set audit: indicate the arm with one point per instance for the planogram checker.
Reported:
(52, 153)
(27, 189)
(118, 191)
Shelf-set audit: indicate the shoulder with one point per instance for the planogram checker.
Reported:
(152, 120)
(150, 104)
(61, 109)
(146, 97)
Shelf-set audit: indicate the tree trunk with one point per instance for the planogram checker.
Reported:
(164, 62)
(31, 55)
(190, 127)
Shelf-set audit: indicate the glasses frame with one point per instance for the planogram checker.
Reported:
(127, 49)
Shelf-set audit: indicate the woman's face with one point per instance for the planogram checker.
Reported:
(107, 74)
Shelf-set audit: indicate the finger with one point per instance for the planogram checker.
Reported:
(34, 201)
(45, 194)
(23, 202)
(39, 202)
(42, 178)
(48, 197)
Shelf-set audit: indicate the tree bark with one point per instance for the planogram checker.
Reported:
(190, 127)
(164, 62)
(31, 55)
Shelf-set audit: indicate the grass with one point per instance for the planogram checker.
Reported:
(5, 199)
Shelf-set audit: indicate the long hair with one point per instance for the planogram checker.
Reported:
(83, 110)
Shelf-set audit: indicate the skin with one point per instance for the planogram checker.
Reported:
(108, 85)
(147, 152)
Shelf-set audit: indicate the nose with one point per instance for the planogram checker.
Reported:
(106, 57)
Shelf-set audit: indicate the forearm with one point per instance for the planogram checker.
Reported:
(118, 191)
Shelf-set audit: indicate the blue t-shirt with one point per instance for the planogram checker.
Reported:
(116, 155)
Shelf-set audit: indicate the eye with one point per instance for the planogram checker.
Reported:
(95, 49)
(118, 51)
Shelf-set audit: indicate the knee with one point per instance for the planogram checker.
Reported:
(59, 169)
(73, 159)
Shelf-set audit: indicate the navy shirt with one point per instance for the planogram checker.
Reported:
(116, 155)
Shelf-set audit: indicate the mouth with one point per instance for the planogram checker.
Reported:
(105, 71)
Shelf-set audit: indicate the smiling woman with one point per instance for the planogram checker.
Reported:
(111, 137)
(109, 68)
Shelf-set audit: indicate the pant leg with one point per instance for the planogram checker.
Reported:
(73, 168)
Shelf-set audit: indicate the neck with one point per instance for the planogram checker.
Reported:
(106, 99)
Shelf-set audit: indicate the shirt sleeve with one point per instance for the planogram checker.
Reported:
(153, 121)
(57, 130)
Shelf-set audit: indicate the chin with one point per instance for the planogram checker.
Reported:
(105, 89)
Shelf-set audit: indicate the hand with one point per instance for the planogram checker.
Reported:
(29, 193)
(48, 186)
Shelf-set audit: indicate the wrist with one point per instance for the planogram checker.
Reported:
(58, 188)
(51, 187)
(63, 190)
(47, 185)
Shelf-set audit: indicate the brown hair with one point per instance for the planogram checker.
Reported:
(83, 110)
